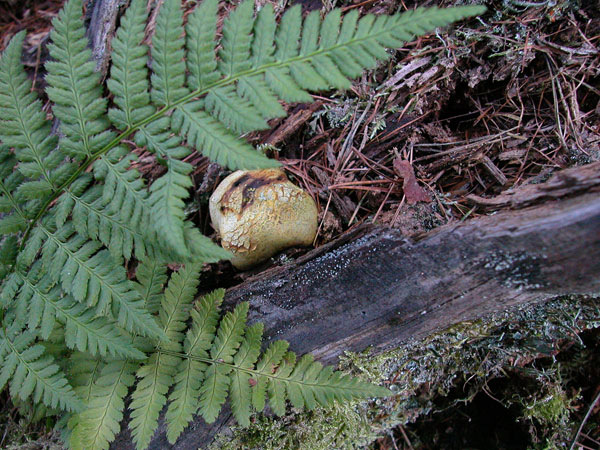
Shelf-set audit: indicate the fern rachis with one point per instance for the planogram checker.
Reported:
(73, 210)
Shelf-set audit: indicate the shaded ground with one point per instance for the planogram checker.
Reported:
(540, 405)
(494, 103)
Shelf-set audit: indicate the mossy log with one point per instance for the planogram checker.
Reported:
(376, 288)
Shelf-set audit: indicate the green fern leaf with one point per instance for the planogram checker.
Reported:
(157, 374)
(33, 373)
(200, 44)
(93, 277)
(216, 142)
(237, 28)
(175, 308)
(277, 391)
(268, 363)
(75, 86)
(168, 66)
(8, 256)
(124, 192)
(18, 220)
(10, 289)
(288, 34)
(184, 398)
(92, 220)
(152, 278)
(128, 81)
(310, 33)
(83, 330)
(202, 248)
(13, 223)
(97, 426)
(263, 46)
(167, 205)
(245, 358)
(84, 370)
(228, 339)
(232, 110)
(256, 92)
(23, 123)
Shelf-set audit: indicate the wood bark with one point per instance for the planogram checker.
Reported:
(102, 16)
(376, 288)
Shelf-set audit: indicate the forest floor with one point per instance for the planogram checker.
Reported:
(452, 119)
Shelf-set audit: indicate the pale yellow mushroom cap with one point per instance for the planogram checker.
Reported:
(258, 213)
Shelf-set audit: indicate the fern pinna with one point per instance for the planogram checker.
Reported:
(76, 330)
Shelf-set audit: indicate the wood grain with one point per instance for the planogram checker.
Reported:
(378, 288)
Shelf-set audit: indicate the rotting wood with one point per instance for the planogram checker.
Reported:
(376, 288)
(103, 18)
(565, 182)
(292, 123)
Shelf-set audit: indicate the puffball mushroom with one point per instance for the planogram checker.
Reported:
(259, 213)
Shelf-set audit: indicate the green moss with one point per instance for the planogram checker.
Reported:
(552, 408)
(467, 354)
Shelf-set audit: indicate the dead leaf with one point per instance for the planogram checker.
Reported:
(414, 193)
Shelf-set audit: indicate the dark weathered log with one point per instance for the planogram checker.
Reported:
(101, 28)
(565, 182)
(378, 288)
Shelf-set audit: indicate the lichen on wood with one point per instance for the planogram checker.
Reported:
(468, 355)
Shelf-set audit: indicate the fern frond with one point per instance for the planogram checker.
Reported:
(310, 384)
(231, 366)
(201, 247)
(157, 374)
(124, 191)
(245, 358)
(218, 143)
(234, 111)
(92, 220)
(131, 89)
(237, 38)
(84, 370)
(8, 255)
(17, 220)
(175, 308)
(277, 387)
(92, 276)
(97, 426)
(255, 91)
(128, 75)
(166, 202)
(23, 123)
(190, 373)
(33, 373)
(168, 77)
(152, 277)
(149, 396)
(75, 86)
(216, 383)
(200, 43)
(83, 330)
(265, 367)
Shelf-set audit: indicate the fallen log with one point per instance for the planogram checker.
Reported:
(376, 288)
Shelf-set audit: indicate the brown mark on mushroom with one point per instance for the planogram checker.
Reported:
(259, 213)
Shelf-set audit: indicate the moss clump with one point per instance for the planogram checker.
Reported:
(467, 355)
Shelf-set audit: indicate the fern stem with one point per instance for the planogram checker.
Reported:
(234, 367)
